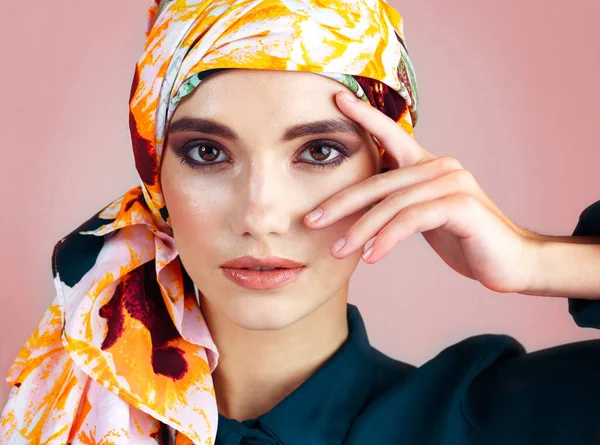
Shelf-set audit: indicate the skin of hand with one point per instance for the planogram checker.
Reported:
(436, 196)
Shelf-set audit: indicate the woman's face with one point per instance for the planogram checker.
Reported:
(238, 175)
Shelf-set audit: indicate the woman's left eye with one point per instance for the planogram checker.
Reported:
(323, 153)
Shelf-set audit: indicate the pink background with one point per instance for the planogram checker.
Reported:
(510, 91)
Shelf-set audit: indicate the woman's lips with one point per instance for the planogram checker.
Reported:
(262, 279)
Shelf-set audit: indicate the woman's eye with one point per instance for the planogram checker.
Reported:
(326, 154)
(202, 155)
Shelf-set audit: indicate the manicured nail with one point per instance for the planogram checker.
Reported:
(349, 96)
(314, 215)
(339, 244)
(368, 253)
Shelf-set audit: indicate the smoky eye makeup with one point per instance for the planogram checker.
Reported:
(206, 154)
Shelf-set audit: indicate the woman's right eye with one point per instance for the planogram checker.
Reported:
(202, 155)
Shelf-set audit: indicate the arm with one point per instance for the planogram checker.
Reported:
(548, 396)
(568, 266)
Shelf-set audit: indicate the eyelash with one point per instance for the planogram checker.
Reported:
(183, 154)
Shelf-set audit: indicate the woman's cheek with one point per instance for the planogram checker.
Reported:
(196, 210)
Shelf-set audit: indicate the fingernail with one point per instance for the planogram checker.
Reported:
(339, 244)
(349, 96)
(314, 215)
(368, 253)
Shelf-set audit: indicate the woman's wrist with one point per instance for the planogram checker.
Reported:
(564, 266)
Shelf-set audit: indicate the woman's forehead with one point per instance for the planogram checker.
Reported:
(284, 93)
(285, 82)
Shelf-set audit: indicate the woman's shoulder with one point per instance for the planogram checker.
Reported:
(460, 361)
(488, 389)
(498, 363)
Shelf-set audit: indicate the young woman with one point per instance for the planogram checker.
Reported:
(209, 305)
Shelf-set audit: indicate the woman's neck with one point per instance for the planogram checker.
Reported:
(258, 369)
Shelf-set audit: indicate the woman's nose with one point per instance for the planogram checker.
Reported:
(263, 203)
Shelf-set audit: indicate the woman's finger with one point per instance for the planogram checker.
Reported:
(378, 187)
(375, 220)
(401, 146)
(458, 212)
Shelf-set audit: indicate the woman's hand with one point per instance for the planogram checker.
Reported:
(433, 195)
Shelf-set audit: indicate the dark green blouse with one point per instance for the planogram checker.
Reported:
(484, 390)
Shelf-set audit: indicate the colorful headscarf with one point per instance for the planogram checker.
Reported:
(123, 353)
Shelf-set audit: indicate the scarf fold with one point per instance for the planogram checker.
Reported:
(123, 351)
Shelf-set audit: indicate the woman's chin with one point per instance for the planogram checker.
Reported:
(262, 312)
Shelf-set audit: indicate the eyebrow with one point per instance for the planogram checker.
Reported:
(305, 129)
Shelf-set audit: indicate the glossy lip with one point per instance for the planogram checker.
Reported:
(262, 280)
(236, 270)
(248, 261)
